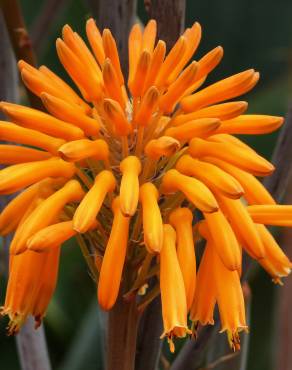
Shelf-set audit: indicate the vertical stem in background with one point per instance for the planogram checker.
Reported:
(283, 320)
(149, 343)
(42, 26)
(118, 16)
(283, 317)
(19, 38)
(32, 348)
(170, 17)
(122, 335)
(31, 344)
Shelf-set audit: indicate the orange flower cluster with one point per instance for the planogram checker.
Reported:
(125, 166)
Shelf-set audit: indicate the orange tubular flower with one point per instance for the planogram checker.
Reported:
(170, 63)
(111, 52)
(193, 189)
(199, 127)
(276, 263)
(242, 225)
(20, 135)
(230, 300)
(32, 279)
(224, 240)
(202, 309)
(13, 154)
(19, 176)
(88, 209)
(149, 36)
(39, 121)
(155, 65)
(178, 88)
(173, 299)
(279, 215)
(95, 40)
(243, 158)
(162, 147)
(13, 212)
(250, 124)
(147, 107)
(152, 220)
(210, 175)
(71, 113)
(181, 219)
(75, 151)
(47, 284)
(45, 214)
(112, 84)
(51, 236)
(117, 117)
(136, 86)
(231, 87)
(254, 191)
(130, 168)
(44, 80)
(114, 258)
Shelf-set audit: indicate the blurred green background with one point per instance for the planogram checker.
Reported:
(254, 34)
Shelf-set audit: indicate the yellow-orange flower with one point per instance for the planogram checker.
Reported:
(154, 149)
(115, 254)
(173, 296)
(32, 280)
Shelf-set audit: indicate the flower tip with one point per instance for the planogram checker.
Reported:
(66, 29)
(107, 63)
(106, 35)
(109, 105)
(243, 105)
(90, 21)
(179, 215)
(21, 64)
(256, 77)
(197, 25)
(219, 52)
(152, 22)
(17, 249)
(278, 121)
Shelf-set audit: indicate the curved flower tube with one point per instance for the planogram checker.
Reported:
(114, 258)
(174, 305)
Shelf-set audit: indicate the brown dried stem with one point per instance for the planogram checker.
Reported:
(19, 38)
(118, 16)
(44, 21)
(170, 17)
(284, 321)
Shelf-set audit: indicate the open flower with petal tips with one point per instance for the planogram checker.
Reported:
(124, 165)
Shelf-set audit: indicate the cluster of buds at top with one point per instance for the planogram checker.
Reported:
(125, 167)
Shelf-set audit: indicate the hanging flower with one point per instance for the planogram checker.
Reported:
(123, 165)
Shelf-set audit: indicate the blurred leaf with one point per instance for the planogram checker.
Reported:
(87, 349)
